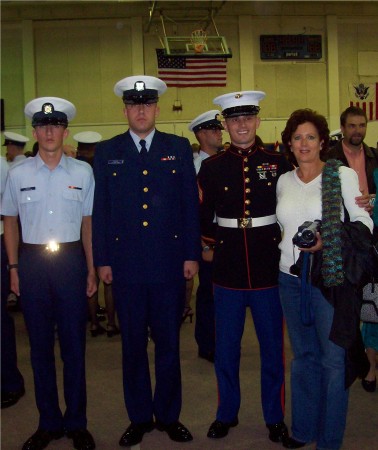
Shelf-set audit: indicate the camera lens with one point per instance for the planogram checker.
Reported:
(308, 235)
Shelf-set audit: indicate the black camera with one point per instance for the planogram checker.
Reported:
(306, 234)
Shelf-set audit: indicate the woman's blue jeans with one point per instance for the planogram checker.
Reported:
(319, 400)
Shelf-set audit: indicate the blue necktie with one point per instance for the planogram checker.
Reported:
(143, 150)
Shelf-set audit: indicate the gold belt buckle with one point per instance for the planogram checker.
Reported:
(245, 222)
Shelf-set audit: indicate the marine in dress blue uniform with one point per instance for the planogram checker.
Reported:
(239, 187)
(53, 197)
(146, 240)
(207, 128)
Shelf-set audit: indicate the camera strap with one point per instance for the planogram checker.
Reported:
(307, 314)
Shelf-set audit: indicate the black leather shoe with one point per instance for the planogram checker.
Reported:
(11, 398)
(278, 432)
(290, 442)
(369, 386)
(82, 439)
(176, 431)
(41, 439)
(97, 331)
(134, 433)
(220, 429)
(209, 356)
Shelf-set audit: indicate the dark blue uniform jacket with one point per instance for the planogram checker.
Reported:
(235, 184)
(145, 216)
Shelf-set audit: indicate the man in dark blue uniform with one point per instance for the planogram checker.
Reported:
(239, 186)
(53, 197)
(146, 242)
(207, 128)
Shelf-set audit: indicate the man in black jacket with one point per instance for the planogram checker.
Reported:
(354, 153)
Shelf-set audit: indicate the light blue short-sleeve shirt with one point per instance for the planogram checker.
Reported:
(50, 203)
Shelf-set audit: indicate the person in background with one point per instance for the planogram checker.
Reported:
(12, 381)
(146, 242)
(316, 191)
(207, 128)
(53, 197)
(86, 146)
(238, 186)
(370, 330)
(15, 144)
(226, 145)
(195, 149)
(69, 150)
(353, 152)
(35, 148)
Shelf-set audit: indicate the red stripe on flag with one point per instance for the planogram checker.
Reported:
(181, 71)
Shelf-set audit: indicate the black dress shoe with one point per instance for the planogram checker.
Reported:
(134, 433)
(278, 432)
(220, 429)
(176, 431)
(112, 330)
(41, 439)
(97, 331)
(209, 356)
(369, 386)
(290, 442)
(11, 398)
(82, 439)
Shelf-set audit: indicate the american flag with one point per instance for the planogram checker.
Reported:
(183, 71)
(365, 96)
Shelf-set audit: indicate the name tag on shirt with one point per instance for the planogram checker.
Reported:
(115, 161)
(32, 188)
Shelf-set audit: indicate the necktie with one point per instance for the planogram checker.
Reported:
(143, 150)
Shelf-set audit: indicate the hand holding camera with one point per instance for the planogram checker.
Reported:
(307, 235)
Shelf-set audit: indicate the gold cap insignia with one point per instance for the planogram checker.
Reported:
(238, 95)
(139, 86)
(47, 108)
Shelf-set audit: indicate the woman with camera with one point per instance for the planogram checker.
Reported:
(314, 191)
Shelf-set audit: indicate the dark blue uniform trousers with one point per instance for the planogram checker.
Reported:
(11, 378)
(159, 307)
(53, 288)
(205, 316)
(230, 311)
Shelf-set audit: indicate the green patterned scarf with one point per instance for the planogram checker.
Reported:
(332, 265)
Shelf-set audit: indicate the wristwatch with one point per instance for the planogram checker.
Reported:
(207, 248)
(12, 266)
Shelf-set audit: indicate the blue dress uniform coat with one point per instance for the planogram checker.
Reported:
(145, 225)
(238, 184)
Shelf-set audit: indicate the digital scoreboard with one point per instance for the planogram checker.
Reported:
(290, 46)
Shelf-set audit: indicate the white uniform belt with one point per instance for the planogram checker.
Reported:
(247, 222)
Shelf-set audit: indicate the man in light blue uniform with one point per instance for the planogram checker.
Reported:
(146, 242)
(12, 381)
(53, 196)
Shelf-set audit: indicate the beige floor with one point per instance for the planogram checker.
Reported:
(107, 418)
